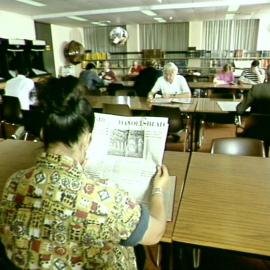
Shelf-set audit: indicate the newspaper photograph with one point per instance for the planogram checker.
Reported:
(127, 150)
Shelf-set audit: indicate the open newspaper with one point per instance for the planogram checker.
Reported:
(127, 150)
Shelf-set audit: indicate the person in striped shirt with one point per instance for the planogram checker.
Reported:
(253, 75)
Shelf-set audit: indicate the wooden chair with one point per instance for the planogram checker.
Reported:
(178, 125)
(12, 118)
(238, 146)
(125, 92)
(117, 109)
(254, 125)
(32, 121)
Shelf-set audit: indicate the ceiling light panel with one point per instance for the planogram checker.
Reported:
(148, 12)
(76, 18)
(32, 3)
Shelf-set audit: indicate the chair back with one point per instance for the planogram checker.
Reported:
(32, 121)
(125, 92)
(238, 146)
(11, 107)
(117, 109)
(173, 114)
(94, 92)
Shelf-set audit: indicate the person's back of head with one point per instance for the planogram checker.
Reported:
(22, 70)
(255, 63)
(66, 112)
(227, 68)
(90, 66)
(151, 63)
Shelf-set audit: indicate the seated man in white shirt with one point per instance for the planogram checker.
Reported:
(21, 87)
(170, 84)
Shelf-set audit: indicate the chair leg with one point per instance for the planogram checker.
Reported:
(3, 130)
(25, 136)
(196, 253)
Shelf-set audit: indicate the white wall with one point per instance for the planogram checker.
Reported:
(13, 25)
(133, 42)
(60, 37)
(195, 34)
(264, 33)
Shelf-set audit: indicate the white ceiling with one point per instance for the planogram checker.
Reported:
(56, 11)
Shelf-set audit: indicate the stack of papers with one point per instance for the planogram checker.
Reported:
(228, 106)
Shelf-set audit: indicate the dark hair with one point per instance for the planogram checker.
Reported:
(90, 66)
(66, 111)
(255, 63)
(151, 63)
(22, 70)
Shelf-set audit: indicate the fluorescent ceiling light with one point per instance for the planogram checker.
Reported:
(76, 18)
(233, 8)
(159, 19)
(32, 3)
(148, 12)
(99, 23)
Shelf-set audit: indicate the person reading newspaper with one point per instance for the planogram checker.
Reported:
(53, 216)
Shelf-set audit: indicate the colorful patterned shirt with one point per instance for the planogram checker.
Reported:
(53, 217)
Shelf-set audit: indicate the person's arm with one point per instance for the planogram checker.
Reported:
(260, 75)
(99, 81)
(137, 224)
(157, 219)
(243, 79)
(185, 90)
(154, 90)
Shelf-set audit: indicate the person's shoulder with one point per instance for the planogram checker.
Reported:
(261, 87)
(180, 77)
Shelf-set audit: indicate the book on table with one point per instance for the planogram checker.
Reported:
(127, 150)
(162, 100)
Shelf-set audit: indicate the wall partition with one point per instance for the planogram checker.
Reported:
(164, 36)
(230, 35)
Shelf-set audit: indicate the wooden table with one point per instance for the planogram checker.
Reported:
(209, 105)
(137, 103)
(209, 86)
(207, 109)
(177, 163)
(183, 107)
(225, 204)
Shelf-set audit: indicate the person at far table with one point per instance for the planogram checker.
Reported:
(21, 87)
(53, 216)
(147, 78)
(90, 78)
(170, 84)
(135, 69)
(256, 124)
(226, 75)
(253, 75)
(107, 74)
